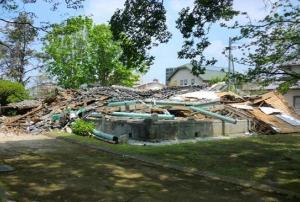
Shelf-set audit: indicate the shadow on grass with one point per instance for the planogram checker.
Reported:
(273, 160)
(51, 170)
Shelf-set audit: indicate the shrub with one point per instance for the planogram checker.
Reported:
(81, 127)
(12, 92)
(217, 80)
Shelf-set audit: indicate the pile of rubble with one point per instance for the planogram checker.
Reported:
(37, 116)
(268, 113)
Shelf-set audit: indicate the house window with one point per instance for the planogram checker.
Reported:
(192, 82)
(185, 82)
(181, 82)
(297, 102)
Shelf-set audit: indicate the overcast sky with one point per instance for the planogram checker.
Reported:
(166, 54)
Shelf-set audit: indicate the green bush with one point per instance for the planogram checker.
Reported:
(216, 80)
(81, 127)
(12, 92)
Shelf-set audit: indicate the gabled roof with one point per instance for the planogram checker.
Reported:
(210, 72)
(155, 82)
(272, 86)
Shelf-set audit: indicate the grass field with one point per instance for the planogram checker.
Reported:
(273, 160)
(47, 169)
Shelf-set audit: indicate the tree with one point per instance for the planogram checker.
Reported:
(274, 43)
(18, 56)
(195, 25)
(12, 53)
(144, 23)
(11, 92)
(81, 52)
(13, 5)
(140, 26)
(274, 40)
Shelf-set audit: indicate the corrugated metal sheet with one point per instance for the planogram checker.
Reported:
(282, 126)
(277, 101)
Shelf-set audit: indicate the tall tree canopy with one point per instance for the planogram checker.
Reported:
(195, 24)
(270, 43)
(140, 25)
(273, 44)
(15, 4)
(144, 23)
(18, 56)
(81, 52)
(14, 7)
(17, 32)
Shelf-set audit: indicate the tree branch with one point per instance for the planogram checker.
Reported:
(24, 23)
(35, 68)
(4, 44)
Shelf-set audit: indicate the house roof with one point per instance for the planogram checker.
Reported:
(272, 86)
(210, 72)
(153, 83)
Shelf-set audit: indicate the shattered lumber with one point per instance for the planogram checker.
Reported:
(169, 103)
(25, 115)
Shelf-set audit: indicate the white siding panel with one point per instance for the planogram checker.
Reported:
(185, 74)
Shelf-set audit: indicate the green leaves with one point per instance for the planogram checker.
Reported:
(272, 44)
(81, 127)
(11, 92)
(195, 24)
(81, 52)
(140, 26)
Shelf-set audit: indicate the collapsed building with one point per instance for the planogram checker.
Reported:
(155, 115)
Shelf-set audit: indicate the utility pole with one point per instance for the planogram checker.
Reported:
(229, 64)
(231, 70)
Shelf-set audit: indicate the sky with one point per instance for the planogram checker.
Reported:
(165, 54)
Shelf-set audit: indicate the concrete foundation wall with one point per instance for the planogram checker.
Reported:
(149, 130)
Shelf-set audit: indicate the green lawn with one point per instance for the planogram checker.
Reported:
(273, 160)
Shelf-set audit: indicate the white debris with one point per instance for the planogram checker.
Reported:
(270, 110)
(289, 119)
(198, 95)
(242, 106)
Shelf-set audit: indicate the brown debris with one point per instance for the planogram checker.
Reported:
(95, 99)
(230, 97)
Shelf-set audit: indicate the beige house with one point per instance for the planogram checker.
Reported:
(293, 97)
(154, 85)
(183, 76)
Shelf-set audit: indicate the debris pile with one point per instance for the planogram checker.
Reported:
(39, 115)
(267, 114)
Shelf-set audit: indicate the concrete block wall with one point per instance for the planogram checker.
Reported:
(149, 130)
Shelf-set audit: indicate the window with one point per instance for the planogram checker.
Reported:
(192, 82)
(297, 102)
(185, 82)
(181, 82)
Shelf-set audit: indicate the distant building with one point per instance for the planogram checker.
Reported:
(183, 76)
(154, 85)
